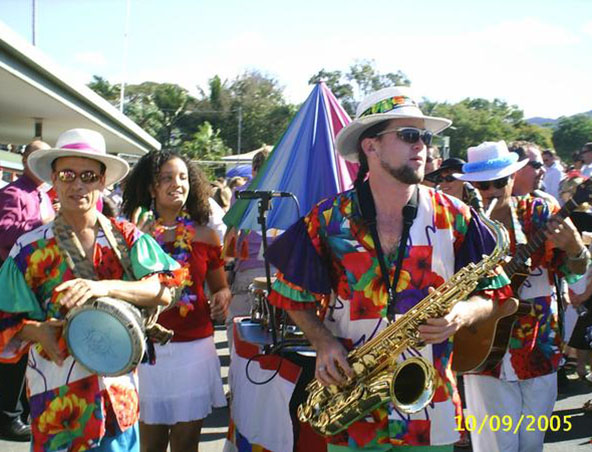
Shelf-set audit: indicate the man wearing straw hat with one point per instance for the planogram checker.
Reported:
(71, 408)
(523, 386)
(388, 225)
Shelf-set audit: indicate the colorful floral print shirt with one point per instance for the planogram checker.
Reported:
(71, 409)
(331, 249)
(535, 342)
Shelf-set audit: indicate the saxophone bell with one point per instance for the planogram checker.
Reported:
(413, 384)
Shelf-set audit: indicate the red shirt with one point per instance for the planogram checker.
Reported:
(196, 323)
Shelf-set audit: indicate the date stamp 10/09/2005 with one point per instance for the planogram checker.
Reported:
(507, 423)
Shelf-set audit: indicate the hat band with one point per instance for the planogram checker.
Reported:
(389, 104)
(491, 164)
(80, 147)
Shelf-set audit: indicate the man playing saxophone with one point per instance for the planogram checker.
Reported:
(345, 245)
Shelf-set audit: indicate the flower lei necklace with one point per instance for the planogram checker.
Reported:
(182, 246)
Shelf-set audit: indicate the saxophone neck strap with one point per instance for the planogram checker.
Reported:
(368, 210)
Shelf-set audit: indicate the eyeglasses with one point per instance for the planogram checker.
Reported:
(535, 164)
(87, 177)
(410, 135)
(449, 178)
(498, 183)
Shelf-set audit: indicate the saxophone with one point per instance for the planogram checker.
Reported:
(379, 378)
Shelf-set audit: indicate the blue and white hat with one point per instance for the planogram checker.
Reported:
(490, 160)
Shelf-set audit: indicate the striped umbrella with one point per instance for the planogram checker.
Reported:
(304, 162)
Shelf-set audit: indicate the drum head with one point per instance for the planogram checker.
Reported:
(103, 343)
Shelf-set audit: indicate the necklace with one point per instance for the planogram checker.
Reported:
(181, 252)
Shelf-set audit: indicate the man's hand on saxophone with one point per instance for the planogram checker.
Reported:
(332, 367)
(462, 314)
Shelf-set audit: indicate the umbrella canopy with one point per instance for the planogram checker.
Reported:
(304, 162)
(239, 170)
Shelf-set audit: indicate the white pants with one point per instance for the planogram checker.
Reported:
(492, 397)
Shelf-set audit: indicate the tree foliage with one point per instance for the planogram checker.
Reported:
(206, 126)
(206, 144)
(173, 116)
(361, 79)
(106, 90)
(571, 134)
(477, 120)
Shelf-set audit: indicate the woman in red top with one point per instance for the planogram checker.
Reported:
(179, 391)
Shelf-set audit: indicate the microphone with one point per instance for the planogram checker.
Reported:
(258, 194)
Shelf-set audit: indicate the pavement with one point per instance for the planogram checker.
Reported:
(569, 404)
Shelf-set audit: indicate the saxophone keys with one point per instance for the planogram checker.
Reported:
(358, 368)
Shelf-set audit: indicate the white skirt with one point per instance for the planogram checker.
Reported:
(183, 385)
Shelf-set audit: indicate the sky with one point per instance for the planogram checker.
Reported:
(533, 54)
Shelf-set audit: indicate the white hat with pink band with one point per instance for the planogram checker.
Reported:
(78, 143)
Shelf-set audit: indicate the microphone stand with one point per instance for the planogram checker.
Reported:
(264, 205)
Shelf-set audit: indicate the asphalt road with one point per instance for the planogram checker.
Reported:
(569, 404)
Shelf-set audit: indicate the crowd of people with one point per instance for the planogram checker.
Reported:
(158, 242)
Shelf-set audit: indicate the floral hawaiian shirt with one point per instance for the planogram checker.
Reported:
(71, 409)
(331, 250)
(535, 343)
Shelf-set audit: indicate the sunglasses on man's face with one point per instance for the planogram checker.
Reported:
(449, 178)
(87, 177)
(535, 164)
(498, 183)
(410, 135)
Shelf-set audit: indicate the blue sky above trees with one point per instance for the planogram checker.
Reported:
(535, 54)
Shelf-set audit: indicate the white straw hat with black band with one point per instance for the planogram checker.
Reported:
(383, 105)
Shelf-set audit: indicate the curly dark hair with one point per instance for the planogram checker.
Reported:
(145, 173)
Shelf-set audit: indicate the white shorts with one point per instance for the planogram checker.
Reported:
(183, 385)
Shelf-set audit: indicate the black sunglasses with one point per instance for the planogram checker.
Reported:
(535, 164)
(87, 177)
(410, 135)
(498, 183)
(449, 178)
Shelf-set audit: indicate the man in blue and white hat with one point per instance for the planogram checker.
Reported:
(524, 384)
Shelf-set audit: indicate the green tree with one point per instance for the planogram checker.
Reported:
(542, 136)
(339, 86)
(264, 113)
(172, 101)
(111, 93)
(206, 144)
(571, 134)
(477, 120)
(361, 79)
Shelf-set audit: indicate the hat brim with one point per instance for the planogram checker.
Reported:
(492, 174)
(348, 138)
(39, 162)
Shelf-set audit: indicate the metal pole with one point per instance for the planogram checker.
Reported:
(125, 51)
(240, 126)
(34, 21)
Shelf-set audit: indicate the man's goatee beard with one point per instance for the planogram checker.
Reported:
(404, 173)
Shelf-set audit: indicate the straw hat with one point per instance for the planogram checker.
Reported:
(388, 103)
(78, 143)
